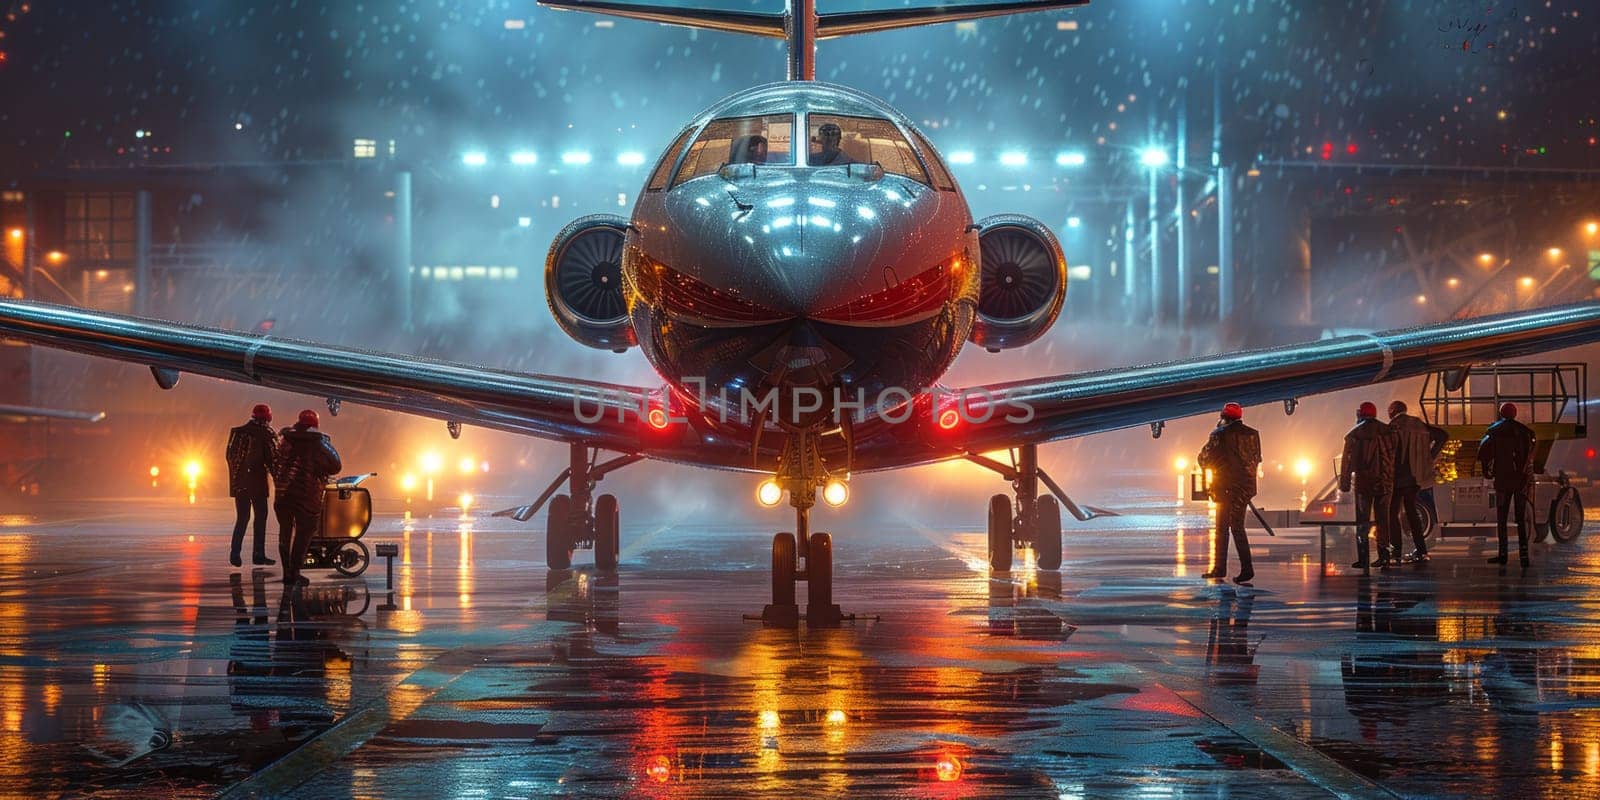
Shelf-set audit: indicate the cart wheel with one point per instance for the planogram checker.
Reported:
(352, 558)
(1566, 515)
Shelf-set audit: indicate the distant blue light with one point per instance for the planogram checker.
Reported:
(1074, 222)
(1072, 159)
(474, 159)
(1014, 158)
(1153, 157)
(524, 158)
(576, 158)
(963, 157)
(631, 158)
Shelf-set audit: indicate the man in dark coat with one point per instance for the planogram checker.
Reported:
(1367, 466)
(306, 460)
(1232, 454)
(1416, 445)
(252, 452)
(1506, 454)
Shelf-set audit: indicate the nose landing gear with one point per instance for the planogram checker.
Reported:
(801, 472)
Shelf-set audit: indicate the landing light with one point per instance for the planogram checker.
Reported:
(835, 493)
(769, 493)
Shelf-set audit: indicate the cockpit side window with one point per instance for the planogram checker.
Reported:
(837, 140)
(739, 140)
(663, 173)
(941, 176)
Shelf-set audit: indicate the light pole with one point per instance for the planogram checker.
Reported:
(1153, 159)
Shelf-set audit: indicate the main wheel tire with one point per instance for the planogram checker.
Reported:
(1000, 533)
(352, 558)
(1047, 533)
(783, 569)
(607, 533)
(819, 572)
(1566, 515)
(558, 533)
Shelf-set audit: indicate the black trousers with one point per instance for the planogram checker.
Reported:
(1506, 500)
(243, 505)
(1230, 522)
(1404, 502)
(297, 526)
(1372, 509)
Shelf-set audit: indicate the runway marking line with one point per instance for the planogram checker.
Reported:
(1309, 762)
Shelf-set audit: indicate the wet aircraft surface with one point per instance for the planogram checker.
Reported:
(132, 661)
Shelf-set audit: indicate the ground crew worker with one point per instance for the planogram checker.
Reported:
(252, 451)
(306, 460)
(1367, 466)
(1416, 446)
(1232, 454)
(1506, 454)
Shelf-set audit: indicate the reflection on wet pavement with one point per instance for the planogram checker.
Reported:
(484, 674)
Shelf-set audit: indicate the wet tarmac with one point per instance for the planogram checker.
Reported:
(133, 661)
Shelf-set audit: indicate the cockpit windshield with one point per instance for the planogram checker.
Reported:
(837, 140)
(740, 140)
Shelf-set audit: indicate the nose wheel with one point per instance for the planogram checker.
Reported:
(812, 563)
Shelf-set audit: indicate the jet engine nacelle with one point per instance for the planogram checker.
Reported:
(583, 282)
(1024, 282)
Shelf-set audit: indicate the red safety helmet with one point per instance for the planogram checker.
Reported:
(262, 411)
(308, 419)
(1367, 410)
(1233, 411)
(1509, 411)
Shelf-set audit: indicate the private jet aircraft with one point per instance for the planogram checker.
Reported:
(801, 268)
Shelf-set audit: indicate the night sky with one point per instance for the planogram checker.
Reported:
(1424, 81)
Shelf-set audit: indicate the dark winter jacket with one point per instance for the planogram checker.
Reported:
(1416, 445)
(1233, 453)
(252, 452)
(306, 460)
(1368, 461)
(1506, 454)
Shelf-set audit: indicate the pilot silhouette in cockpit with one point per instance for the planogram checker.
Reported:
(751, 149)
(830, 155)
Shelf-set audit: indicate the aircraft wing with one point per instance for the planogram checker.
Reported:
(537, 405)
(28, 413)
(1065, 406)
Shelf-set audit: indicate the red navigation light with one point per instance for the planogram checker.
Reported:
(659, 769)
(1351, 148)
(947, 768)
(949, 419)
(1327, 150)
(657, 418)
(1589, 453)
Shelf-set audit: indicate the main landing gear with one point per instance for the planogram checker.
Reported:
(1025, 519)
(577, 519)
